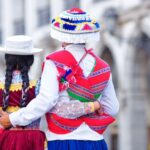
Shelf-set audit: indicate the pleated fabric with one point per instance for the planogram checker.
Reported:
(22, 140)
(77, 145)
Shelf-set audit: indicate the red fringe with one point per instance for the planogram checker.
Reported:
(22, 140)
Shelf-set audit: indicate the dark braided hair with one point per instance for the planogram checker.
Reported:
(22, 63)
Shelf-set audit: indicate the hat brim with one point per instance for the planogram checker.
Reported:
(16, 52)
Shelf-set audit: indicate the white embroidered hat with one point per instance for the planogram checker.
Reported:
(19, 45)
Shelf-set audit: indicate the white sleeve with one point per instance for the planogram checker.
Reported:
(45, 100)
(109, 100)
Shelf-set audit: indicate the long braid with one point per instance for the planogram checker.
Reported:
(24, 68)
(8, 78)
(25, 86)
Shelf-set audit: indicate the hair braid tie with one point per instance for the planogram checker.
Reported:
(25, 86)
(24, 97)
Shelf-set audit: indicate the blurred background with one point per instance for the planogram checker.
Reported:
(125, 45)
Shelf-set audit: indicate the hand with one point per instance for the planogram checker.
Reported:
(4, 119)
(98, 107)
(100, 111)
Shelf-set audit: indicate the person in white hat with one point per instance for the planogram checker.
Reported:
(16, 91)
(72, 73)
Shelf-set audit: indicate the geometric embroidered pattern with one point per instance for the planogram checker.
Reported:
(17, 86)
(82, 92)
(93, 74)
(79, 95)
(93, 116)
(99, 84)
(99, 72)
(58, 64)
(85, 89)
(81, 87)
(97, 128)
(65, 127)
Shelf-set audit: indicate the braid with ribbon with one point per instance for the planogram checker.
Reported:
(10, 66)
(24, 68)
(25, 86)
(8, 78)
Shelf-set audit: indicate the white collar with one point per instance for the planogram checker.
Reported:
(76, 47)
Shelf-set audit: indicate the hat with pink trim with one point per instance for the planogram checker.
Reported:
(75, 26)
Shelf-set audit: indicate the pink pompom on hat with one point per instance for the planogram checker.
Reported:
(75, 26)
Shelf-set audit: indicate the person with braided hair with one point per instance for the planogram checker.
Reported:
(22, 63)
(75, 86)
(16, 91)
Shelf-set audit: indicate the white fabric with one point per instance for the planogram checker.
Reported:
(73, 37)
(49, 96)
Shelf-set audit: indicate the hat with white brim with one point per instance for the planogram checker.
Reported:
(19, 45)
